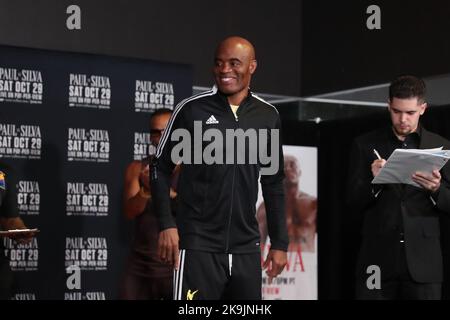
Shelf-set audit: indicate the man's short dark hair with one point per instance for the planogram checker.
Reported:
(408, 87)
(160, 112)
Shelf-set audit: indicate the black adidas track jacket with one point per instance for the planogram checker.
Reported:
(217, 202)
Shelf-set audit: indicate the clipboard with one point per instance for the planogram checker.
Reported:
(403, 163)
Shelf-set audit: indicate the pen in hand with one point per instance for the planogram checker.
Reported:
(377, 154)
(377, 164)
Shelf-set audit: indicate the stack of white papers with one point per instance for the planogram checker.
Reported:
(403, 163)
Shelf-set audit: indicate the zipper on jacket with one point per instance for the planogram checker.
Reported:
(231, 210)
(232, 190)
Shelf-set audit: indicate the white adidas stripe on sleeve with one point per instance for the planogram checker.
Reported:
(168, 130)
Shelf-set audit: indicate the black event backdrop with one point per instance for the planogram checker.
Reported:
(69, 124)
(338, 226)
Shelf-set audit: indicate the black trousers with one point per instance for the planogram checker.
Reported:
(218, 276)
(399, 285)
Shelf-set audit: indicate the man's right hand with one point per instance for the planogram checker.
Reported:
(377, 165)
(168, 249)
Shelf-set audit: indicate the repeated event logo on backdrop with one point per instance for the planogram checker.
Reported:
(28, 197)
(92, 91)
(88, 145)
(20, 85)
(87, 199)
(20, 141)
(87, 253)
(150, 96)
(142, 146)
(24, 296)
(22, 257)
(91, 295)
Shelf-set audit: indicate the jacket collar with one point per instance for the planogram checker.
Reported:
(224, 98)
(427, 141)
(416, 135)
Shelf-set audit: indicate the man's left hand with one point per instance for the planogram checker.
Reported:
(429, 182)
(275, 262)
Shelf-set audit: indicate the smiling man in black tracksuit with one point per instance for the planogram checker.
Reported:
(214, 243)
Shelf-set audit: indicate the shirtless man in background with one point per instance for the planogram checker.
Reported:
(301, 211)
